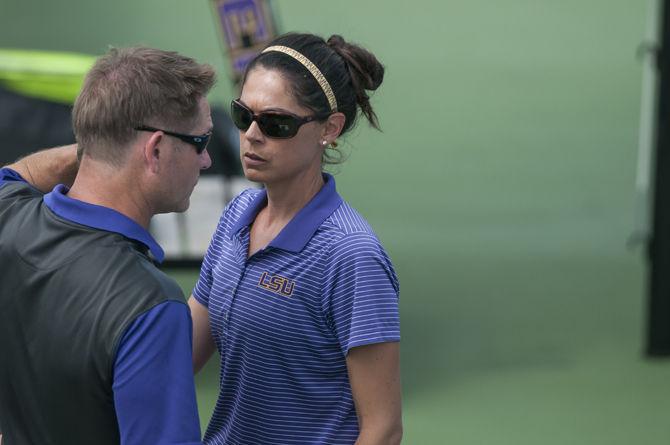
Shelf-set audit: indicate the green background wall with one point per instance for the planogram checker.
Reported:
(501, 185)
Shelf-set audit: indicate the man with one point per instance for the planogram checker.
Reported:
(95, 341)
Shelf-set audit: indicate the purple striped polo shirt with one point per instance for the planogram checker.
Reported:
(284, 320)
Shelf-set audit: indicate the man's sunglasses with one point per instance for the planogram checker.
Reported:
(199, 142)
(272, 124)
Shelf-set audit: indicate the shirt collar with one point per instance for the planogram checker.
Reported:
(297, 233)
(100, 217)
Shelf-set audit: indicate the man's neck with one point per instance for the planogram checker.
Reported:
(108, 186)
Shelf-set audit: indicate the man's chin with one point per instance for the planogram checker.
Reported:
(184, 207)
(177, 209)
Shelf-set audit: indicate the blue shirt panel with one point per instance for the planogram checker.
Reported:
(284, 320)
(154, 393)
(153, 405)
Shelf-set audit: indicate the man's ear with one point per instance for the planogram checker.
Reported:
(333, 127)
(152, 151)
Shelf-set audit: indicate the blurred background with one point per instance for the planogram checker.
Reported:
(502, 186)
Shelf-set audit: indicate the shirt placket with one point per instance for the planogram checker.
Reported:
(240, 253)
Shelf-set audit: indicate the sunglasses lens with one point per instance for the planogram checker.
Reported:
(278, 125)
(242, 117)
(202, 144)
(274, 125)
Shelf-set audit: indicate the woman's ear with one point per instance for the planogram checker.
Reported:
(333, 127)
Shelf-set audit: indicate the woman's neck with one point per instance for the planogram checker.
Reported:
(287, 198)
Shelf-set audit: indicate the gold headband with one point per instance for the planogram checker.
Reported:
(325, 86)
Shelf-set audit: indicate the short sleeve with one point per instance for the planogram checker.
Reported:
(203, 286)
(9, 175)
(361, 292)
(154, 389)
(13, 186)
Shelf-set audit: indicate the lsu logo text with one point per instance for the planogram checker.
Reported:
(277, 284)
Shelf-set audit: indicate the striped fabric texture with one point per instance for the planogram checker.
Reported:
(284, 320)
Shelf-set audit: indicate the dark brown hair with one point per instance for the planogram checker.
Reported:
(350, 70)
(136, 86)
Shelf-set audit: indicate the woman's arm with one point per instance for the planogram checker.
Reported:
(203, 343)
(374, 375)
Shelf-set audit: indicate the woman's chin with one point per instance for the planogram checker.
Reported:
(254, 175)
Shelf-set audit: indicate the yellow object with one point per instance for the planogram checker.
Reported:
(49, 75)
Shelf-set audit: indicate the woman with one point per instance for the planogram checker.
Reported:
(296, 292)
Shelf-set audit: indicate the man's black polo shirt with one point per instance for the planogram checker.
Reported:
(95, 341)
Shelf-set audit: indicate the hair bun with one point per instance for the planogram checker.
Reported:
(363, 65)
(365, 71)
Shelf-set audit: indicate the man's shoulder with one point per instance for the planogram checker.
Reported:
(160, 284)
(130, 271)
(117, 270)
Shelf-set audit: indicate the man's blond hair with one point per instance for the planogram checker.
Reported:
(128, 87)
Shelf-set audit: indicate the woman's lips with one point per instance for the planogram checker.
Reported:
(254, 156)
(251, 159)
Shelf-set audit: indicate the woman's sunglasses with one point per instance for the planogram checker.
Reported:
(272, 124)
